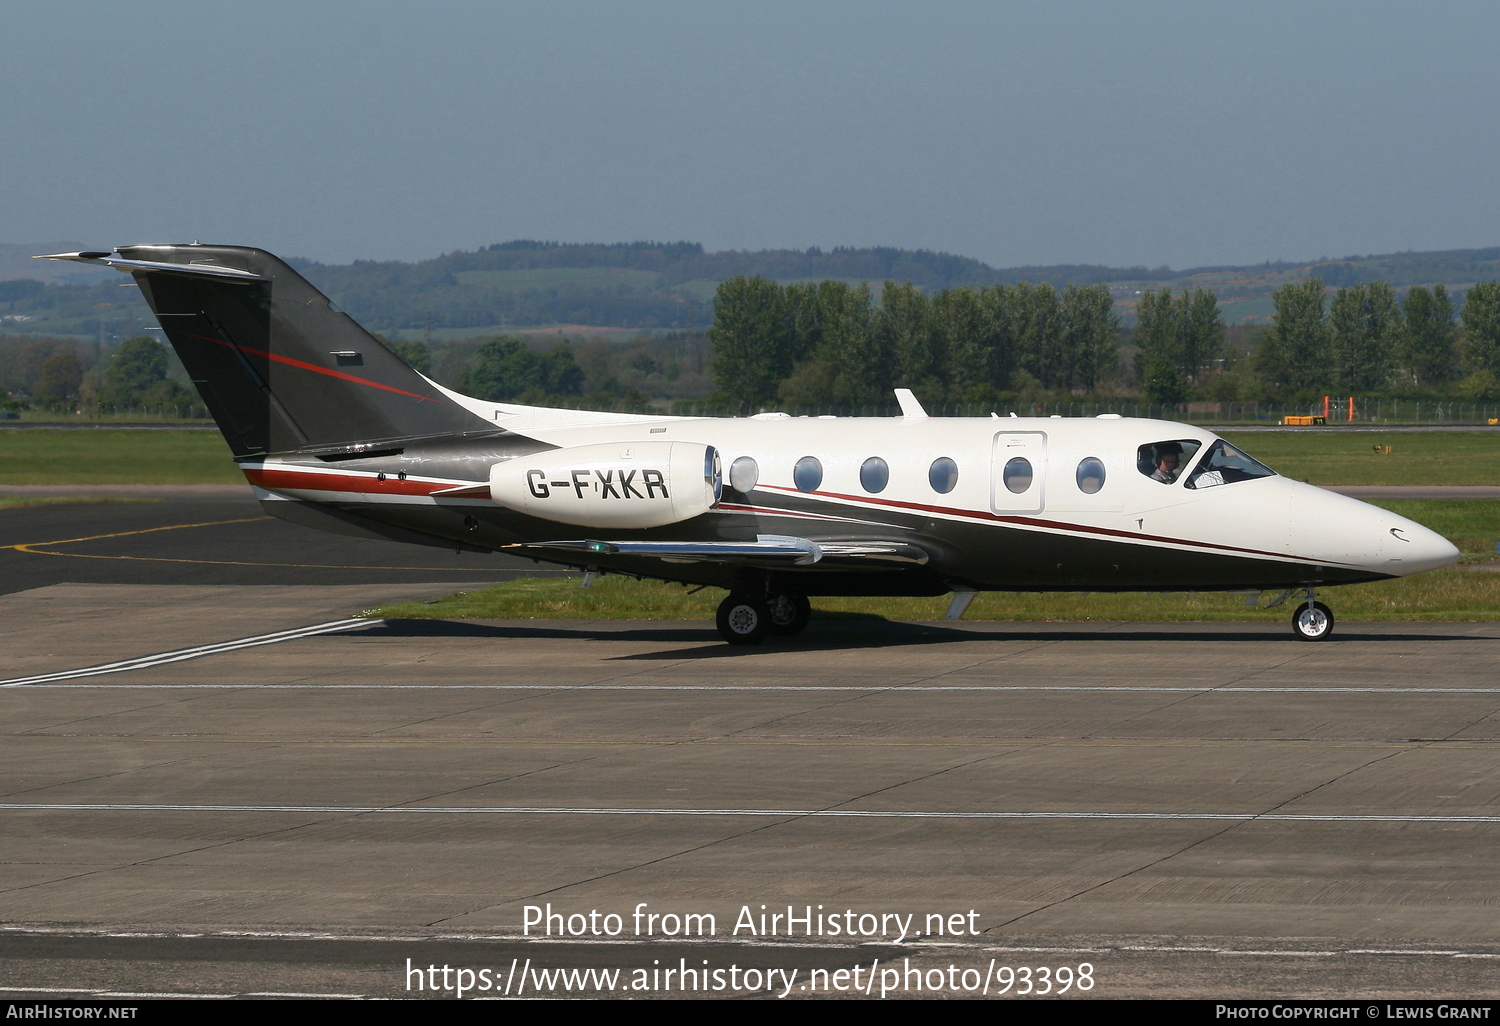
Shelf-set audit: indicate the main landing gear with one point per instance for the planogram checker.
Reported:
(746, 619)
(789, 613)
(1312, 620)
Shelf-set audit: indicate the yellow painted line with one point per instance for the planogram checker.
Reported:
(27, 546)
(34, 548)
(302, 566)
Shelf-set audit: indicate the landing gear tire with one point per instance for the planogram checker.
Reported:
(789, 613)
(743, 620)
(1312, 621)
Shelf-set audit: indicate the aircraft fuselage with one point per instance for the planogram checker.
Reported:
(1129, 532)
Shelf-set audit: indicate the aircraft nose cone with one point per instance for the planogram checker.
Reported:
(1344, 530)
(1420, 548)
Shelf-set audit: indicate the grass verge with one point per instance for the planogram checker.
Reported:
(1347, 458)
(105, 456)
(12, 501)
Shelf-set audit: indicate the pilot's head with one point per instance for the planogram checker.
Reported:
(1168, 457)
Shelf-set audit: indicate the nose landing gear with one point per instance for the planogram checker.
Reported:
(1312, 621)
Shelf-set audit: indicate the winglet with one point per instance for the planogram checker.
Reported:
(910, 407)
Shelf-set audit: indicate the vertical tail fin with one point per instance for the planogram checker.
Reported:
(279, 367)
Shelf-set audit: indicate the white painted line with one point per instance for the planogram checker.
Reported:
(606, 942)
(522, 810)
(1206, 689)
(123, 994)
(182, 654)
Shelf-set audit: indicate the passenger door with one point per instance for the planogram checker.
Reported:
(1018, 472)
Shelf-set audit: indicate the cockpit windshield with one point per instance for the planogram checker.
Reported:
(1224, 464)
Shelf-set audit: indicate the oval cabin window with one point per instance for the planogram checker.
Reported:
(1090, 475)
(874, 475)
(744, 474)
(808, 474)
(1017, 475)
(942, 475)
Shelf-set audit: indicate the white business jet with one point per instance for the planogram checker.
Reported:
(334, 431)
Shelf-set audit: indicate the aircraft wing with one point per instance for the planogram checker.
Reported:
(772, 549)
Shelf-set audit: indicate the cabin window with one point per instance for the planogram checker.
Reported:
(1090, 475)
(1164, 461)
(1225, 464)
(744, 474)
(874, 475)
(1017, 475)
(942, 475)
(808, 474)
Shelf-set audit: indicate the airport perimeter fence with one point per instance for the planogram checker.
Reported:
(1373, 411)
(108, 414)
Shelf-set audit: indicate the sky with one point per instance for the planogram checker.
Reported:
(1118, 133)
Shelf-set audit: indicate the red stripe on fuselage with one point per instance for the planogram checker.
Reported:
(1035, 522)
(302, 364)
(312, 480)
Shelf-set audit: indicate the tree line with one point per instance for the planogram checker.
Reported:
(53, 375)
(829, 342)
(1367, 341)
(833, 344)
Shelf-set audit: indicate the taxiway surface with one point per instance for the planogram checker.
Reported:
(1190, 809)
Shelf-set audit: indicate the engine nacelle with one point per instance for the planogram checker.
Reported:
(612, 484)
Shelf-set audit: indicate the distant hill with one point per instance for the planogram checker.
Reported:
(16, 262)
(528, 285)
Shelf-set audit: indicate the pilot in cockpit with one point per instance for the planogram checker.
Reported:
(1168, 459)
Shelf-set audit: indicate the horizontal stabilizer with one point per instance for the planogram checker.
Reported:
(773, 549)
(128, 266)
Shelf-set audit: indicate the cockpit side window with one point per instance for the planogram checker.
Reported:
(1224, 464)
(1164, 461)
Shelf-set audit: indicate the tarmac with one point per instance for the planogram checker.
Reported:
(215, 783)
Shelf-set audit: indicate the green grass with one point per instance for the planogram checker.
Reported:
(1335, 457)
(138, 415)
(1473, 525)
(13, 501)
(559, 597)
(104, 456)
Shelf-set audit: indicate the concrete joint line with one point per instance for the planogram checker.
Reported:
(521, 810)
